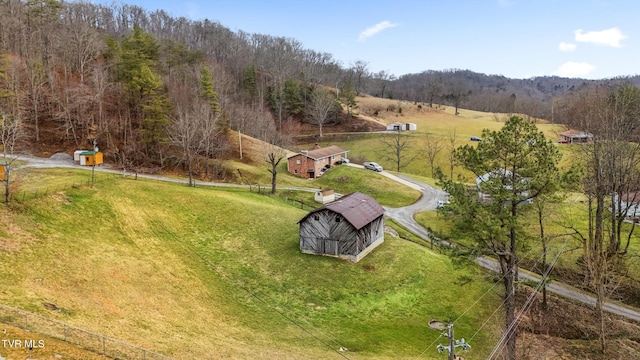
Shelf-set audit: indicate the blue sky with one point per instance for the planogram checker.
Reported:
(590, 39)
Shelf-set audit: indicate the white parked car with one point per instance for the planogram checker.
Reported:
(372, 166)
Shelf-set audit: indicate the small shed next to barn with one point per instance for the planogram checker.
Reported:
(348, 228)
(324, 196)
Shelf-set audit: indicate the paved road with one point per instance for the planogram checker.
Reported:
(62, 161)
(404, 215)
(428, 201)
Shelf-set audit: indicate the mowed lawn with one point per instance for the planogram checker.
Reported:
(210, 273)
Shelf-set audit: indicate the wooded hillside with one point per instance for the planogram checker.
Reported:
(153, 90)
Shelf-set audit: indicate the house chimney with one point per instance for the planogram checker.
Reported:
(316, 147)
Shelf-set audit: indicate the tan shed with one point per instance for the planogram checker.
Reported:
(324, 196)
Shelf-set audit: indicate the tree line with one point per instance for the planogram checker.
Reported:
(75, 73)
(153, 90)
(518, 178)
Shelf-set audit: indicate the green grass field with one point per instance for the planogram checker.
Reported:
(560, 222)
(217, 273)
(207, 273)
(440, 123)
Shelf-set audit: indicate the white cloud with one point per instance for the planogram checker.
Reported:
(369, 32)
(563, 46)
(610, 37)
(573, 69)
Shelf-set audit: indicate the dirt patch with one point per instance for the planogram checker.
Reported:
(12, 237)
(305, 132)
(389, 230)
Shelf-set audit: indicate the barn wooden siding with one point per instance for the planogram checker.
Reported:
(327, 233)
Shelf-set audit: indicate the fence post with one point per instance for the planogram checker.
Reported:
(104, 351)
(64, 327)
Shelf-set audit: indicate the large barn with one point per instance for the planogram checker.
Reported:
(347, 228)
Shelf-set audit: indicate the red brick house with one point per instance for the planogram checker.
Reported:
(309, 163)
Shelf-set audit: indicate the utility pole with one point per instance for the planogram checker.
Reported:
(453, 344)
(93, 166)
(452, 351)
(240, 143)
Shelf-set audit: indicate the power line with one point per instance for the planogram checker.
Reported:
(510, 329)
(251, 293)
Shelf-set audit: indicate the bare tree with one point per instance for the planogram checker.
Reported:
(323, 103)
(612, 160)
(36, 82)
(360, 72)
(186, 133)
(397, 148)
(451, 147)
(280, 57)
(275, 152)
(11, 131)
(457, 94)
(383, 78)
(432, 147)
(434, 87)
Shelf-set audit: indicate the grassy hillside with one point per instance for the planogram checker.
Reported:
(211, 273)
(438, 122)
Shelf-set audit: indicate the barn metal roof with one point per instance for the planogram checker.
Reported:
(357, 208)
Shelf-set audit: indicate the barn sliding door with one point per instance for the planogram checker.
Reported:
(328, 246)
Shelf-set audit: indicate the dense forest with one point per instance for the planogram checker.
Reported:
(153, 90)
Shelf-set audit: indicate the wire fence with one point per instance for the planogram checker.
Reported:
(264, 190)
(85, 339)
(36, 191)
(24, 195)
(298, 203)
